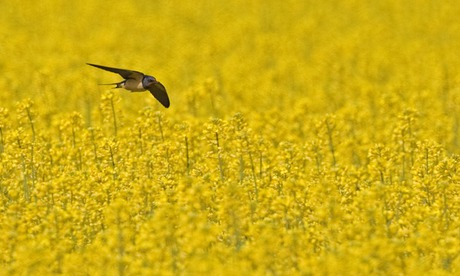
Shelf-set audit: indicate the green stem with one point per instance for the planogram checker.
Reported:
(331, 144)
(187, 156)
(219, 157)
(115, 127)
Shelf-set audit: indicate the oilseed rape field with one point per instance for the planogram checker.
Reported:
(303, 138)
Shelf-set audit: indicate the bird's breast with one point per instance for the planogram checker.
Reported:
(133, 85)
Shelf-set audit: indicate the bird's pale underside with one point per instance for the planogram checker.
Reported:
(135, 81)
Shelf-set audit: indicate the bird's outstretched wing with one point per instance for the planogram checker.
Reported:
(127, 74)
(159, 92)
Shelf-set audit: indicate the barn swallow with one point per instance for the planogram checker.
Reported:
(135, 81)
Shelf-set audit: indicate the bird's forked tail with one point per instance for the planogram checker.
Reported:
(118, 84)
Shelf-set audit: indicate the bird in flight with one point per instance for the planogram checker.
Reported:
(135, 81)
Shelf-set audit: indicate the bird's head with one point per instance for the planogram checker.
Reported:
(147, 81)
